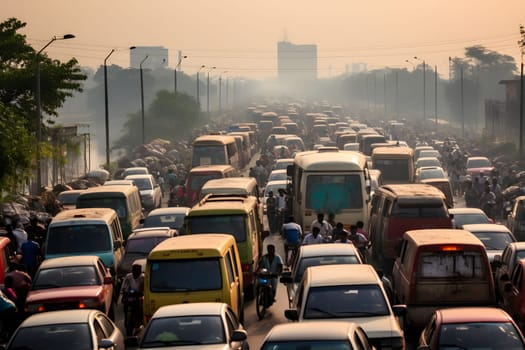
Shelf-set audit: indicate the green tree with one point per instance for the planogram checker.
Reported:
(58, 81)
(170, 116)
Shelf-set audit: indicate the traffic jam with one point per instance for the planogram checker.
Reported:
(300, 227)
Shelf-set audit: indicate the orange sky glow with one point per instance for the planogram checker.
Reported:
(241, 36)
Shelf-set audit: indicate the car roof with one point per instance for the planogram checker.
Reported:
(189, 309)
(327, 249)
(460, 211)
(328, 275)
(315, 330)
(152, 232)
(138, 176)
(473, 314)
(169, 210)
(486, 228)
(77, 260)
(59, 317)
(70, 192)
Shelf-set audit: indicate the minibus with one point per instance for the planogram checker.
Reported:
(396, 164)
(440, 268)
(398, 208)
(125, 200)
(215, 149)
(192, 269)
(199, 175)
(238, 216)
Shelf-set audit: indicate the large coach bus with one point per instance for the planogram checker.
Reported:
(329, 180)
(214, 150)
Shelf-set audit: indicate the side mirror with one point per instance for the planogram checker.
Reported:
(106, 344)
(108, 280)
(291, 314)
(399, 310)
(239, 335)
(117, 245)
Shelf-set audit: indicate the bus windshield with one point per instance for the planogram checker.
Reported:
(393, 169)
(209, 155)
(333, 193)
(230, 224)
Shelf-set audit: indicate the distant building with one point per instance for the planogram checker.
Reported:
(502, 118)
(157, 57)
(358, 67)
(296, 63)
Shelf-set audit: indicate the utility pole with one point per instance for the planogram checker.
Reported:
(436, 95)
(462, 104)
(521, 44)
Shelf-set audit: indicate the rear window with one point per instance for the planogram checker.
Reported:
(345, 301)
(393, 169)
(234, 225)
(323, 260)
(116, 203)
(198, 180)
(452, 265)
(185, 275)
(420, 211)
(78, 239)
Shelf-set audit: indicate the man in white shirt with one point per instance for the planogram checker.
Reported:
(314, 237)
(325, 229)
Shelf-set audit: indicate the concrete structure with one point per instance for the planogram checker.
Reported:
(296, 63)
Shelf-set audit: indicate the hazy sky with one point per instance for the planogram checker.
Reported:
(240, 36)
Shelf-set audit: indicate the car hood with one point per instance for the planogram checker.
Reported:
(64, 293)
(374, 327)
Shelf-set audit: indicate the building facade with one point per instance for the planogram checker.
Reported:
(296, 63)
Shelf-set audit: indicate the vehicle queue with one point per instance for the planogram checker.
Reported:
(325, 180)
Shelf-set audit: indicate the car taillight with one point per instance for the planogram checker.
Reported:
(246, 267)
(33, 308)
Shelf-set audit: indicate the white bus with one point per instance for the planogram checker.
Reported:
(329, 180)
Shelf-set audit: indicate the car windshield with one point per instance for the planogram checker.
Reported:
(54, 336)
(431, 174)
(486, 335)
(198, 180)
(185, 275)
(466, 219)
(183, 330)
(322, 260)
(427, 162)
(143, 245)
(494, 240)
(70, 276)
(345, 301)
(230, 224)
(162, 220)
(68, 198)
(143, 184)
(78, 239)
(478, 163)
(311, 345)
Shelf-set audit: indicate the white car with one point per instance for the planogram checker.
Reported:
(194, 326)
(150, 191)
(277, 175)
(352, 293)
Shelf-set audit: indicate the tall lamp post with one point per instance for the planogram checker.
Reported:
(220, 90)
(106, 109)
(142, 99)
(39, 109)
(198, 88)
(208, 90)
(521, 44)
(424, 88)
(176, 69)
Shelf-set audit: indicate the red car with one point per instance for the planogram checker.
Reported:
(471, 328)
(477, 165)
(73, 282)
(513, 294)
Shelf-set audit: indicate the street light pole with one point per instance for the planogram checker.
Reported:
(424, 88)
(142, 99)
(208, 90)
(176, 69)
(198, 88)
(220, 90)
(106, 119)
(462, 106)
(39, 110)
(436, 95)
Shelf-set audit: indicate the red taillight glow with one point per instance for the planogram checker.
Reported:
(81, 305)
(449, 248)
(41, 308)
(246, 267)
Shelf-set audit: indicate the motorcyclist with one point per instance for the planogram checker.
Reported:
(133, 283)
(273, 265)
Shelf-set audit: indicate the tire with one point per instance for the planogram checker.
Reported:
(260, 302)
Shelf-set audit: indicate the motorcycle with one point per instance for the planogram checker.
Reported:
(132, 301)
(263, 292)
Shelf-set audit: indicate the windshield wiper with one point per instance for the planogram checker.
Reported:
(171, 342)
(453, 346)
(46, 286)
(326, 312)
(362, 313)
